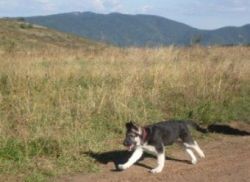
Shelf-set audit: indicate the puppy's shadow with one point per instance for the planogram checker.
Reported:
(121, 156)
(226, 130)
(117, 156)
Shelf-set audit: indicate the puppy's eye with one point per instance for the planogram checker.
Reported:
(132, 135)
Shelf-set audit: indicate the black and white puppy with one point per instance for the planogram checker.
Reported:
(153, 138)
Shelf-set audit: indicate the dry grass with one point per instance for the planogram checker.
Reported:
(56, 103)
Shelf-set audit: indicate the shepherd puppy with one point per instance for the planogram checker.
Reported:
(153, 138)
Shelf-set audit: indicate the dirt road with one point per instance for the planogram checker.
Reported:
(227, 160)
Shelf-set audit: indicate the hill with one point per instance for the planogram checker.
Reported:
(19, 35)
(140, 30)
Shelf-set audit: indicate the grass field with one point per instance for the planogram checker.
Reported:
(57, 103)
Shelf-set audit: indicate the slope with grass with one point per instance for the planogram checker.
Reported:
(57, 103)
(21, 36)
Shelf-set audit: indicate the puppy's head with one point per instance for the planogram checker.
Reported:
(132, 138)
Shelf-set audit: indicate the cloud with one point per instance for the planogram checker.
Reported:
(98, 5)
(26, 7)
(105, 6)
(46, 5)
(196, 7)
(236, 6)
(6, 3)
(145, 8)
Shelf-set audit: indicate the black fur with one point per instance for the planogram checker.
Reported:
(165, 133)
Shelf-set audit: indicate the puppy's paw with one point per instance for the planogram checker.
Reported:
(122, 166)
(202, 155)
(194, 161)
(155, 170)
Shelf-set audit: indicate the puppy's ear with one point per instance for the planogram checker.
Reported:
(131, 125)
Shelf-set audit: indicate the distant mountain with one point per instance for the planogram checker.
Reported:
(140, 30)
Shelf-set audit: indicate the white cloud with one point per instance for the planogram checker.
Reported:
(106, 5)
(46, 5)
(145, 8)
(98, 4)
(215, 6)
(6, 3)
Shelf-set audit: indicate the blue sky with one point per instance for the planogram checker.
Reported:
(204, 14)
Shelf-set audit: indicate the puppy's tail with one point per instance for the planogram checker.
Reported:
(197, 127)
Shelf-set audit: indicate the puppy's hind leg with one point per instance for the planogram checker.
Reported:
(192, 156)
(135, 156)
(196, 148)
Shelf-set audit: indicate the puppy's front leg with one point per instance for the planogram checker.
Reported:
(135, 156)
(160, 162)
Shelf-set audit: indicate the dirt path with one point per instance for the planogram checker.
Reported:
(227, 160)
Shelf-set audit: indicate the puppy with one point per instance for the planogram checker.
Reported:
(153, 138)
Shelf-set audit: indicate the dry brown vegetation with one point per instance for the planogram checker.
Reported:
(58, 102)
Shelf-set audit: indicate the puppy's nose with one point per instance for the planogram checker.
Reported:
(125, 143)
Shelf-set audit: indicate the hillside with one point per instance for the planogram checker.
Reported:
(139, 30)
(19, 35)
(227, 36)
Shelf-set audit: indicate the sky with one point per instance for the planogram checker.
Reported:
(203, 14)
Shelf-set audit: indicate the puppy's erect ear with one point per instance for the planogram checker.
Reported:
(131, 125)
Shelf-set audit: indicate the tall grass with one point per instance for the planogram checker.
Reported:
(57, 104)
